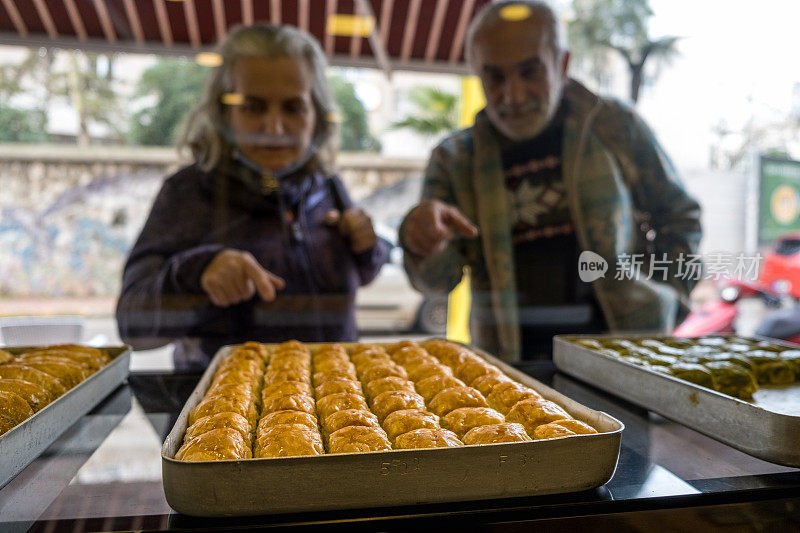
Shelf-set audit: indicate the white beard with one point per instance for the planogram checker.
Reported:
(540, 115)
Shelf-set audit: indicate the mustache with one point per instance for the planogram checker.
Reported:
(522, 109)
(270, 140)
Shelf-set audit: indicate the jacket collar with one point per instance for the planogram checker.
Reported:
(492, 207)
(243, 186)
(492, 213)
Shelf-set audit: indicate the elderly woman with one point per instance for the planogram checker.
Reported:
(256, 240)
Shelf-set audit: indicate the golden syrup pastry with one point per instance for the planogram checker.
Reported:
(454, 398)
(36, 395)
(292, 345)
(233, 421)
(463, 419)
(505, 395)
(277, 376)
(406, 420)
(382, 370)
(290, 365)
(88, 362)
(388, 402)
(427, 370)
(551, 431)
(290, 357)
(411, 363)
(254, 347)
(285, 388)
(336, 386)
(238, 364)
(453, 355)
(290, 353)
(26, 373)
(97, 354)
(211, 405)
(322, 377)
(84, 366)
(289, 440)
(335, 365)
(38, 376)
(286, 417)
(339, 401)
(390, 383)
(254, 353)
(290, 402)
(429, 387)
(534, 412)
(244, 358)
(330, 357)
(427, 438)
(356, 439)
(392, 348)
(405, 355)
(469, 371)
(13, 410)
(231, 389)
(437, 347)
(495, 433)
(486, 383)
(360, 349)
(235, 377)
(349, 417)
(216, 445)
(67, 372)
(575, 426)
(365, 359)
(330, 348)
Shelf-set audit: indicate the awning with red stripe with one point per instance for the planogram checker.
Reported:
(423, 35)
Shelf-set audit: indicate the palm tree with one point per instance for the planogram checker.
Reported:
(437, 112)
(661, 49)
(619, 25)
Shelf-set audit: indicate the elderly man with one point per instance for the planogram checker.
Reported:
(549, 171)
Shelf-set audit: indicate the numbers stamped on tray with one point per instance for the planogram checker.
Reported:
(398, 466)
(520, 460)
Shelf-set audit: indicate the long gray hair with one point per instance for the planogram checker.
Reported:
(205, 130)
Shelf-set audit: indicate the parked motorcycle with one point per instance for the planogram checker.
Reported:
(778, 287)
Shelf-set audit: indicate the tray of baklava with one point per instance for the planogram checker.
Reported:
(46, 389)
(742, 391)
(298, 427)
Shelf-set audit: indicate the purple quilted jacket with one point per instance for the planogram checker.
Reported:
(195, 215)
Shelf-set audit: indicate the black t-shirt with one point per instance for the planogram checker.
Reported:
(551, 297)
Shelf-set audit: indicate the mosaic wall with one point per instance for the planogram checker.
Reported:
(67, 224)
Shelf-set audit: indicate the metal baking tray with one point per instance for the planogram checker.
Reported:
(24, 443)
(400, 477)
(767, 427)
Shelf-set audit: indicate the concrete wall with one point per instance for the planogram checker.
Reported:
(722, 195)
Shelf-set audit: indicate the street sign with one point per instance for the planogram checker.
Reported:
(779, 197)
